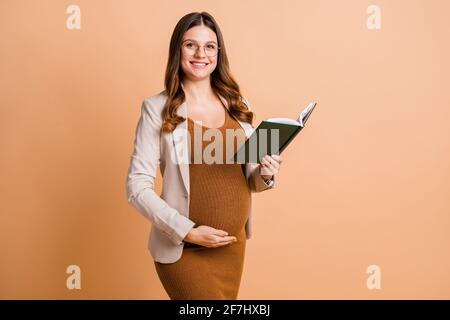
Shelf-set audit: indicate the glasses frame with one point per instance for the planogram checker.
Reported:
(198, 47)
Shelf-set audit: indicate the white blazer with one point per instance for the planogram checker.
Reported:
(169, 212)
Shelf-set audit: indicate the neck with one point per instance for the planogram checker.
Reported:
(198, 91)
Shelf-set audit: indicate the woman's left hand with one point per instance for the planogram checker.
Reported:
(270, 165)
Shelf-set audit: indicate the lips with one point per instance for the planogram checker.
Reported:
(198, 64)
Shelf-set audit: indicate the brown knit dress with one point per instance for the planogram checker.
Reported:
(219, 198)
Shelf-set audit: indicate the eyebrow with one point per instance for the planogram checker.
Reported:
(197, 41)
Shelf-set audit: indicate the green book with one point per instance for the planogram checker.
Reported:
(271, 137)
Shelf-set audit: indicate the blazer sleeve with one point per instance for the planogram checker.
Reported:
(256, 182)
(141, 177)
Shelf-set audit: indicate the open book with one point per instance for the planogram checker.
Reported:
(272, 136)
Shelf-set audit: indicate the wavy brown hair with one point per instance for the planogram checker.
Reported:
(222, 82)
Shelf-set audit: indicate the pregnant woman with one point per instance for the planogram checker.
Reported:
(202, 219)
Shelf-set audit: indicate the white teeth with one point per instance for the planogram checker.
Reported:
(199, 64)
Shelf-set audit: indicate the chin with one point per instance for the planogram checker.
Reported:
(195, 77)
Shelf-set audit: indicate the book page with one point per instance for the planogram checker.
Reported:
(283, 120)
(305, 112)
(300, 120)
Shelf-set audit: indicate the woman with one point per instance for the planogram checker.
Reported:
(202, 219)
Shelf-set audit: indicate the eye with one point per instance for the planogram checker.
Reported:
(211, 46)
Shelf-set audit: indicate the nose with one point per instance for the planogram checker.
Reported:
(200, 52)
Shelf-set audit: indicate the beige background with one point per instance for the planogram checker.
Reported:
(366, 183)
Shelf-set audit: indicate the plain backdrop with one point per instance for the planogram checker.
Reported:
(366, 183)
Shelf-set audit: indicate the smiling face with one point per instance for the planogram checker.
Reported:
(198, 65)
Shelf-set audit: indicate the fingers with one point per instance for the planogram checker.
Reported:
(222, 241)
(277, 157)
(274, 160)
(271, 162)
(225, 243)
(218, 238)
(221, 233)
(226, 239)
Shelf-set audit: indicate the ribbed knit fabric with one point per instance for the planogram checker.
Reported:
(219, 197)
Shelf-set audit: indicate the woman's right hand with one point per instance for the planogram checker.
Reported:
(209, 237)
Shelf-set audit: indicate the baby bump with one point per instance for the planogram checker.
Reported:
(219, 196)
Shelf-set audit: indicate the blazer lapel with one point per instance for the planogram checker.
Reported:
(180, 142)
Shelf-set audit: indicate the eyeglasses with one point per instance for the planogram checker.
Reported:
(190, 47)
